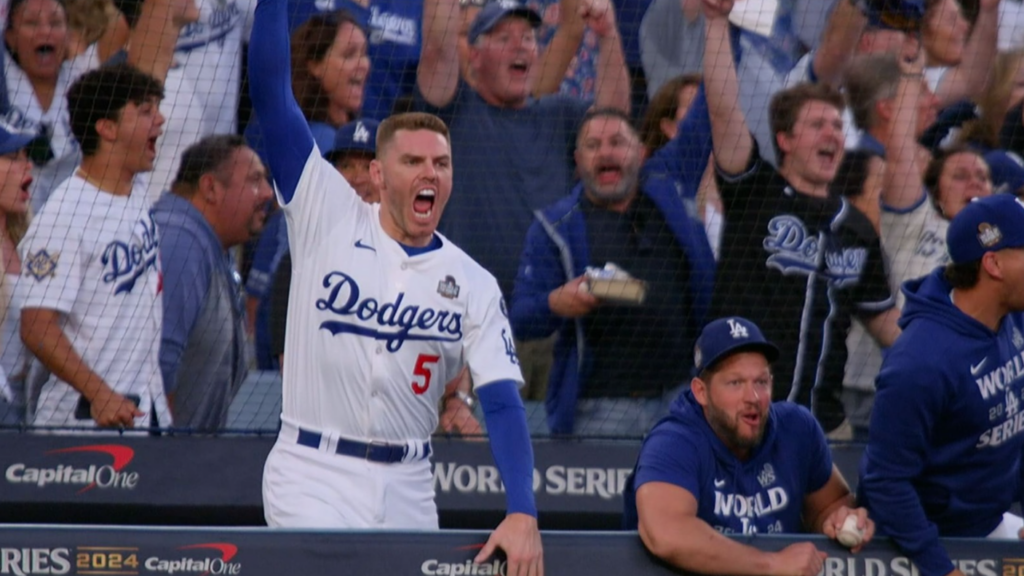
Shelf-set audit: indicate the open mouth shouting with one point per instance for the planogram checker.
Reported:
(423, 204)
(46, 55)
(26, 183)
(609, 173)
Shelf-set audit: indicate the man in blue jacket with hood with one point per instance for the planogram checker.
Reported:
(728, 461)
(614, 364)
(944, 451)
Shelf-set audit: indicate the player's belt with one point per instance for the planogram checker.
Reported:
(372, 451)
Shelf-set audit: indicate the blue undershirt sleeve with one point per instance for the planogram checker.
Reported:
(510, 442)
(286, 134)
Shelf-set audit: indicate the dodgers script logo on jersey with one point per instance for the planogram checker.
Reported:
(216, 22)
(125, 262)
(794, 250)
(406, 321)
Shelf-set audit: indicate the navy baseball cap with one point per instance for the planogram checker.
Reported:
(15, 132)
(727, 336)
(356, 136)
(495, 11)
(1007, 171)
(986, 225)
(901, 15)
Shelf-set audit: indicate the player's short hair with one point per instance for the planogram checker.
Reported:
(868, 80)
(310, 43)
(963, 276)
(787, 104)
(933, 173)
(606, 112)
(664, 104)
(102, 94)
(408, 121)
(207, 156)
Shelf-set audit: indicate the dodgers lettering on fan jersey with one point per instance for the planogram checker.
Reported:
(762, 495)
(373, 333)
(94, 257)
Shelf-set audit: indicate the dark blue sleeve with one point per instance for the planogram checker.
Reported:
(669, 455)
(510, 442)
(907, 407)
(265, 257)
(187, 273)
(286, 134)
(539, 273)
(685, 157)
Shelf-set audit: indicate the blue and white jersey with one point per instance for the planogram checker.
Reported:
(762, 495)
(94, 257)
(374, 333)
(210, 54)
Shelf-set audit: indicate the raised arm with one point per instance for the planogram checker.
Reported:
(968, 78)
(152, 41)
(286, 133)
(838, 43)
(612, 82)
(438, 73)
(907, 409)
(733, 144)
(561, 49)
(903, 183)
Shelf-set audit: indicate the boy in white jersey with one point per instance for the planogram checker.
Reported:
(93, 315)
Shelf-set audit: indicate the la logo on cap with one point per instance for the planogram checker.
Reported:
(737, 330)
(361, 134)
(989, 235)
(697, 355)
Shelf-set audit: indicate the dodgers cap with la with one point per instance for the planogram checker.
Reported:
(356, 136)
(1007, 170)
(727, 336)
(15, 132)
(493, 13)
(986, 225)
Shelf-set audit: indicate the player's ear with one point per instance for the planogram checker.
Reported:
(107, 129)
(377, 174)
(700, 391)
(207, 188)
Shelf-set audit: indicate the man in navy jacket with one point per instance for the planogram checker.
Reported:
(615, 365)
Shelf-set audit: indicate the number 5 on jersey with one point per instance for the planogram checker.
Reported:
(423, 370)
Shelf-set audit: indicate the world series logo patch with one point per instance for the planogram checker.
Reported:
(42, 265)
(448, 288)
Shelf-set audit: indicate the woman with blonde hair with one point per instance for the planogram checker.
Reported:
(15, 179)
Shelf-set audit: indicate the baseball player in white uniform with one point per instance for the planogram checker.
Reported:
(383, 311)
(93, 313)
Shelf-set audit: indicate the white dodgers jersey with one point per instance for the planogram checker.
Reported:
(94, 257)
(373, 333)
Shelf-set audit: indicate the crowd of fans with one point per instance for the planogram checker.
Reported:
(796, 178)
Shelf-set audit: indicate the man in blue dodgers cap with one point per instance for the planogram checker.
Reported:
(728, 461)
(944, 452)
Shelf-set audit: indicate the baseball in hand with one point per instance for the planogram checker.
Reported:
(849, 535)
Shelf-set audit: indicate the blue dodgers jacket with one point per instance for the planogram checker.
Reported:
(556, 251)
(944, 454)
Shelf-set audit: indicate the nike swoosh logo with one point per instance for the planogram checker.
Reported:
(359, 244)
(976, 367)
(719, 483)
